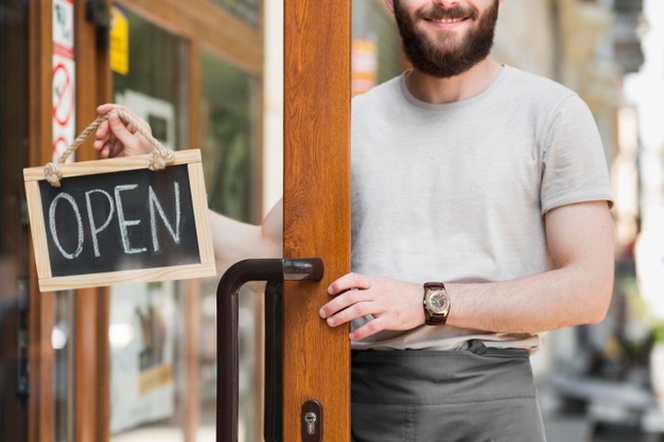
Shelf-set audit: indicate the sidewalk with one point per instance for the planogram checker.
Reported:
(597, 410)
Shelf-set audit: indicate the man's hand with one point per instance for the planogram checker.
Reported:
(114, 139)
(394, 305)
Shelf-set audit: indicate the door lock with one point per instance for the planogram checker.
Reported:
(312, 422)
(310, 418)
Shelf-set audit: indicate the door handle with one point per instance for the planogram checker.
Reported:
(271, 270)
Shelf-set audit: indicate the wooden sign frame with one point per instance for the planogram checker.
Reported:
(48, 282)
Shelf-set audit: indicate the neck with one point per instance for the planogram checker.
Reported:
(435, 90)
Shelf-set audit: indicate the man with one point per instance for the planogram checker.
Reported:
(480, 220)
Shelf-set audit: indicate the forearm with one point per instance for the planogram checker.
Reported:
(234, 241)
(558, 298)
(577, 290)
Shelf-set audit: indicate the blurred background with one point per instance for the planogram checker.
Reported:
(138, 362)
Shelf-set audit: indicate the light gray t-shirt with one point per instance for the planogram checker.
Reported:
(457, 192)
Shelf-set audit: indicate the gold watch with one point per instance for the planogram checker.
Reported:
(436, 303)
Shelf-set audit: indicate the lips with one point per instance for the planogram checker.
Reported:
(447, 16)
(447, 21)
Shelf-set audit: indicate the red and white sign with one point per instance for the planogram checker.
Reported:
(63, 91)
(64, 81)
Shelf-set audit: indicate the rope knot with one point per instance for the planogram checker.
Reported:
(53, 174)
(160, 159)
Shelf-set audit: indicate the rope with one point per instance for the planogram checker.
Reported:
(161, 156)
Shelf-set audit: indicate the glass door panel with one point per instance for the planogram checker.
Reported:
(228, 116)
(146, 324)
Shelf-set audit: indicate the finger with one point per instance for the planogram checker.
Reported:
(98, 144)
(102, 138)
(105, 108)
(107, 150)
(347, 282)
(355, 311)
(345, 303)
(118, 149)
(120, 131)
(102, 131)
(144, 125)
(370, 328)
(112, 148)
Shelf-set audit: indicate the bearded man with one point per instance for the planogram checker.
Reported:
(480, 199)
(480, 220)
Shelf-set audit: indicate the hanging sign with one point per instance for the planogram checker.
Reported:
(116, 221)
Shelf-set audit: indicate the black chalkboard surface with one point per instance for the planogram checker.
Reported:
(115, 221)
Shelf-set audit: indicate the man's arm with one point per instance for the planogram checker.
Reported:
(232, 240)
(576, 291)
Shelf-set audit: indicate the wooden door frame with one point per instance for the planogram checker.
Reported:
(41, 315)
(316, 208)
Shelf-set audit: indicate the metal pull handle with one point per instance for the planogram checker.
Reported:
(236, 276)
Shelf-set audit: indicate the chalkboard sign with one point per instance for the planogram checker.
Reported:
(115, 221)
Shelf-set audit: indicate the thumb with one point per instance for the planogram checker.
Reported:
(118, 128)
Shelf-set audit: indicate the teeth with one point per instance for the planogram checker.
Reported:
(448, 20)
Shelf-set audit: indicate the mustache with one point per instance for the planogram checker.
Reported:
(438, 12)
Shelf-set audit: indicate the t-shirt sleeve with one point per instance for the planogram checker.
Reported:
(574, 166)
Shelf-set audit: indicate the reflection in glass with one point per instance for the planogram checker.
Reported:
(247, 10)
(228, 119)
(63, 361)
(146, 327)
(228, 126)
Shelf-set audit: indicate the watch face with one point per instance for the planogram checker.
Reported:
(437, 302)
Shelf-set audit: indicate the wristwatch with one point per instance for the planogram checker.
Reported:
(436, 303)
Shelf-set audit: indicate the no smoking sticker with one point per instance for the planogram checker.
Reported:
(64, 103)
(63, 94)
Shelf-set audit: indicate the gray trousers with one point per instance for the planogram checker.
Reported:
(474, 395)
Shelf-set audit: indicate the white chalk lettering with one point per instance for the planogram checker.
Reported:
(54, 230)
(123, 222)
(154, 204)
(93, 228)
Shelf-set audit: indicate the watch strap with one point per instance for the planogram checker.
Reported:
(429, 317)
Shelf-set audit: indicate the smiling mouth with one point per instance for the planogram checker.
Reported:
(447, 21)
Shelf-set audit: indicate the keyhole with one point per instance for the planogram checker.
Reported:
(310, 419)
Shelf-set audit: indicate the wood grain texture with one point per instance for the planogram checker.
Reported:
(110, 165)
(316, 208)
(42, 313)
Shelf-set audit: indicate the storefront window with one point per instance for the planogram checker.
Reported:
(228, 118)
(146, 326)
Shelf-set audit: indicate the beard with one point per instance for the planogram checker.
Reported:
(442, 57)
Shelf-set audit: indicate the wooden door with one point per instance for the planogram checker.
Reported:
(316, 208)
